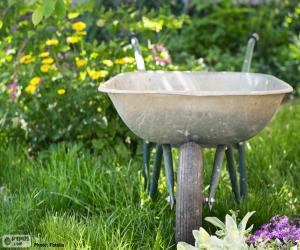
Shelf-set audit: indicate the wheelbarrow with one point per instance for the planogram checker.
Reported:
(151, 186)
(194, 110)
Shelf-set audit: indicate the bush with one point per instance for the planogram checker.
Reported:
(219, 33)
(51, 73)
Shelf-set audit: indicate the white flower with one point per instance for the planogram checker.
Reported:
(232, 236)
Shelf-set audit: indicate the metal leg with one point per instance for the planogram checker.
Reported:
(169, 171)
(156, 170)
(232, 172)
(146, 162)
(242, 166)
(216, 173)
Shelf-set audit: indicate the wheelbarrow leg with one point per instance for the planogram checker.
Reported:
(169, 171)
(146, 162)
(156, 170)
(189, 197)
(214, 181)
(232, 172)
(242, 166)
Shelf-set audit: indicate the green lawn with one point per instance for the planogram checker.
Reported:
(90, 201)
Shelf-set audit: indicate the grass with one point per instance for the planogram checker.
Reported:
(87, 201)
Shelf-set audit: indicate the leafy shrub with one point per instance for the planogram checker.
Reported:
(50, 74)
(218, 32)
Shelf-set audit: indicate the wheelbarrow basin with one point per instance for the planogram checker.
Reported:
(205, 107)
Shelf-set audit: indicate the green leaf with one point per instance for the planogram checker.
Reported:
(4, 75)
(60, 9)
(1, 24)
(216, 222)
(11, 2)
(243, 223)
(48, 7)
(230, 223)
(185, 246)
(201, 235)
(37, 16)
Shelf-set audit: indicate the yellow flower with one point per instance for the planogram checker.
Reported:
(97, 74)
(51, 42)
(125, 60)
(35, 81)
(73, 15)
(45, 68)
(61, 91)
(27, 59)
(73, 39)
(153, 24)
(107, 63)
(48, 60)
(94, 55)
(31, 89)
(78, 26)
(81, 33)
(80, 62)
(44, 54)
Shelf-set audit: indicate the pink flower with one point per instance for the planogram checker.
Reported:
(160, 54)
(12, 89)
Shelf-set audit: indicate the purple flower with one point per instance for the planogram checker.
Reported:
(68, 65)
(279, 228)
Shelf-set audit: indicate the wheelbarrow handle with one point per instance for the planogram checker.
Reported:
(137, 53)
(249, 51)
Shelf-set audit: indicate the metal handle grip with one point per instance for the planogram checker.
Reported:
(137, 53)
(249, 52)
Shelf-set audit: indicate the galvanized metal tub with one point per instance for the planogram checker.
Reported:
(205, 107)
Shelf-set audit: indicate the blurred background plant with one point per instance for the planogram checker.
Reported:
(54, 54)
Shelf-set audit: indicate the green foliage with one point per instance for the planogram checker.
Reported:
(48, 7)
(82, 200)
(60, 8)
(46, 10)
(50, 73)
(219, 32)
(37, 15)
